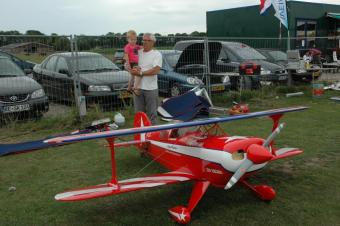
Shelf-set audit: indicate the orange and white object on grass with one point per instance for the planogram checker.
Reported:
(238, 109)
(318, 89)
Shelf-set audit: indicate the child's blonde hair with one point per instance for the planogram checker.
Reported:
(131, 33)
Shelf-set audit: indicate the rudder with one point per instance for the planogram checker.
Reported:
(141, 120)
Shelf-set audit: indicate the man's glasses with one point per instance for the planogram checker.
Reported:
(145, 40)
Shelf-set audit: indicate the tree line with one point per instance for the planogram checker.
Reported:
(85, 42)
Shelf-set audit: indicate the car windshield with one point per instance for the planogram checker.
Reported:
(172, 58)
(278, 55)
(9, 69)
(96, 63)
(245, 52)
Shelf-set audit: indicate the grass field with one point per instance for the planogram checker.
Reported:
(308, 186)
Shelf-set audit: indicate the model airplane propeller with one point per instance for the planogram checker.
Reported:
(199, 151)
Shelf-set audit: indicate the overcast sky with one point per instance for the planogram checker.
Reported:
(96, 17)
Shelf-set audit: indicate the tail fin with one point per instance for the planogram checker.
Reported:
(141, 120)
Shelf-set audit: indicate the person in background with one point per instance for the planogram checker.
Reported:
(131, 59)
(149, 65)
(307, 58)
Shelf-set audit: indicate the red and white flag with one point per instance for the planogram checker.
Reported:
(264, 5)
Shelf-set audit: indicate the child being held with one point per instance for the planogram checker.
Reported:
(131, 57)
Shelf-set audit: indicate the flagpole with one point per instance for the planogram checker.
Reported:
(288, 34)
(280, 35)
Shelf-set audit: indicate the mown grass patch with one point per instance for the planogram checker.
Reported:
(307, 186)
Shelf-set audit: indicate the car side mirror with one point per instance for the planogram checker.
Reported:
(65, 72)
(28, 71)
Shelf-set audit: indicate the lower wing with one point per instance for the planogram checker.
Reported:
(124, 186)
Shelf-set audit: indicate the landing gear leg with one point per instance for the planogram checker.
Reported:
(182, 214)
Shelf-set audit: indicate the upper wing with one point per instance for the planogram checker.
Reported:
(124, 186)
(124, 132)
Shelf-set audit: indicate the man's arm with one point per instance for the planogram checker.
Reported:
(152, 71)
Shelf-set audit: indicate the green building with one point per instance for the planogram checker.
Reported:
(307, 21)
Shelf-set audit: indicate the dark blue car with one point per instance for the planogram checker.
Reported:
(177, 76)
(26, 66)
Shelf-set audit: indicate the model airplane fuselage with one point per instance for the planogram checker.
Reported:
(199, 151)
(211, 157)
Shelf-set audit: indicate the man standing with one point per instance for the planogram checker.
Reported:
(149, 65)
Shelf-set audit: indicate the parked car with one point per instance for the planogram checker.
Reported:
(178, 75)
(20, 95)
(26, 66)
(227, 57)
(301, 74)
(118, 59)
(101, 81)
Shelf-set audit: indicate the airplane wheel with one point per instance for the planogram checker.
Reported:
(180, 214)
(265, 192)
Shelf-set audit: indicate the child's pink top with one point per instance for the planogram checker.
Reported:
(132, 52)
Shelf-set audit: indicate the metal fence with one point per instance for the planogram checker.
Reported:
(62, 73)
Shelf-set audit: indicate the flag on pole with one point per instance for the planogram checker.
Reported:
(281, 11)
(265, 4)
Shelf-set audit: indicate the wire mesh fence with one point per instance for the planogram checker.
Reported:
(53, 75)
(25, 92)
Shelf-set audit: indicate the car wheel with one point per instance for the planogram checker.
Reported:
(174, 90)
(244, 82)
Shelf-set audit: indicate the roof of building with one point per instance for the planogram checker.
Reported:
(288, 2)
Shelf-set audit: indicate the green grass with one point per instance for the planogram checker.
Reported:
(307, 185)
(36, 58)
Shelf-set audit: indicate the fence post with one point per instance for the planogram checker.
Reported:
(207, 63)
(78, 97)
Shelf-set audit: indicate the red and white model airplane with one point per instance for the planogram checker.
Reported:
(199, 151)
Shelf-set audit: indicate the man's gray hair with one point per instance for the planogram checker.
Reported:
(151, 36)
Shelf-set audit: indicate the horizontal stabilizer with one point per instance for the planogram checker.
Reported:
(286, 152)
(124, 186)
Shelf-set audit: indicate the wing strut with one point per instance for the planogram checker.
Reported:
(113, 161)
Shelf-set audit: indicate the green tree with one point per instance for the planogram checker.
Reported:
(33, 32)
(14, 32)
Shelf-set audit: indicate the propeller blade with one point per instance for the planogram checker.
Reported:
(239, 173)
(272, 136)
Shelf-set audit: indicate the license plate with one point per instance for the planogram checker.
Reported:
(16, 108)
(124, 95)
(282, 78)
(218, 88)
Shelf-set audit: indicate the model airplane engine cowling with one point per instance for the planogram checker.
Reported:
(258, 154)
